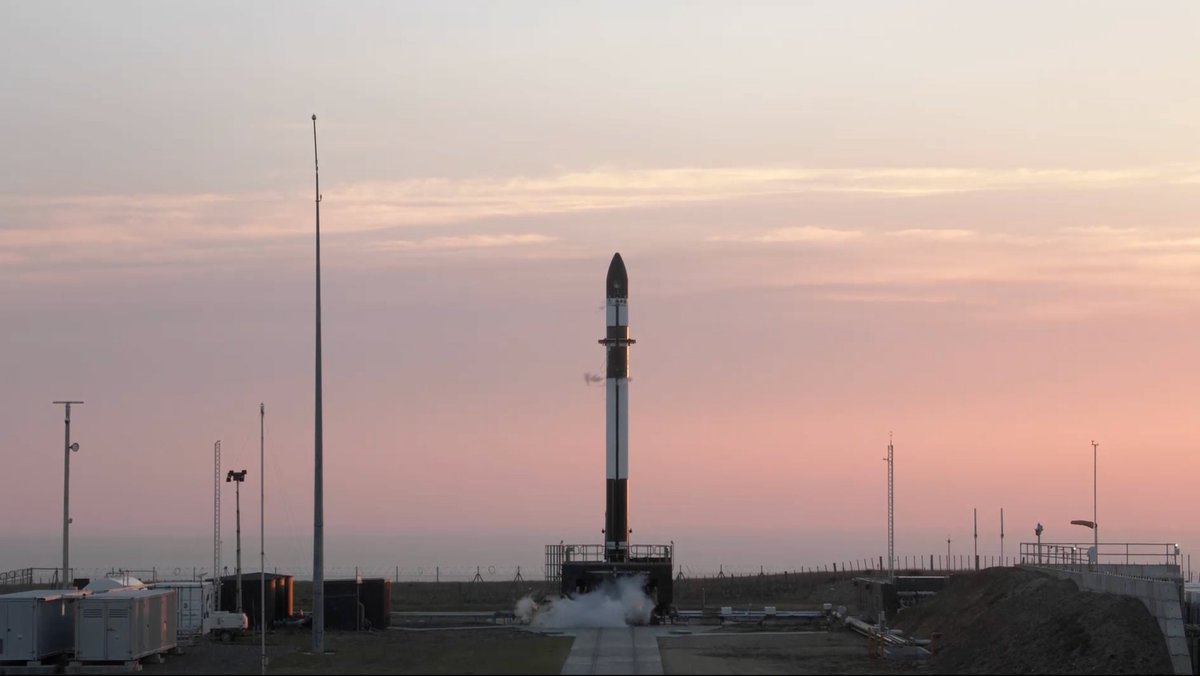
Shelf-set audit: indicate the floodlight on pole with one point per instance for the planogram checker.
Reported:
(237, 478)
(1038, 532)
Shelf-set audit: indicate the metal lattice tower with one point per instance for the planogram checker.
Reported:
(216, 516)
(891, 513)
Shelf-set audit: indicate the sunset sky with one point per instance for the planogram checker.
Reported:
(974, 225)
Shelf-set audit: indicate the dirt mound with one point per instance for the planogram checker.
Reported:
(1012, 621)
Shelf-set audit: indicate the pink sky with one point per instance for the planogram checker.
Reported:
(983, 241)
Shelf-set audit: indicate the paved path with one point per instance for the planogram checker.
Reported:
(628, 650)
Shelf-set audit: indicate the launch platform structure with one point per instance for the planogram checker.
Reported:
(579, 569)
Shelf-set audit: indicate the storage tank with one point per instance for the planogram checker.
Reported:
(285, 589)
(124, 625)
(37, 624)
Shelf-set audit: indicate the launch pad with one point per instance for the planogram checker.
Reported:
(580, 569)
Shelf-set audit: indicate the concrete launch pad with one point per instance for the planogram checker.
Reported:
(626, 650)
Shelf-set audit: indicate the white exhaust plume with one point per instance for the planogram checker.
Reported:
(616, 603)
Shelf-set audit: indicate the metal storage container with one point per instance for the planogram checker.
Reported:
(364, 603)
(37, 624)
(124, 625)
(192, 605)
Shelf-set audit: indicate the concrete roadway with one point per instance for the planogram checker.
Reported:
(627, 650)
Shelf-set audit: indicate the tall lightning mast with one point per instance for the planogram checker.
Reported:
(216, 522)
(318, 593)
(262, 529)
(891, 513)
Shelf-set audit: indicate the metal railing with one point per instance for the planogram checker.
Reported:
(33, 576)
(1108, 553)
(557, 555)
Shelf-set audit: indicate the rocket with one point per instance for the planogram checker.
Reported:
(616, 409)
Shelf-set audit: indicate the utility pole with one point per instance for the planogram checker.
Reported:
(318, 592)
(262, 548)
(891, 511)
(1001, 536)
(216, 574)
(237, 478)
(68, 448)
(947, 552)
(976, 513)
(1095, 523)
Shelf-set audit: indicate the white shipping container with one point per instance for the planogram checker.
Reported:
(37, 624)
(192, 605)
(124, 625)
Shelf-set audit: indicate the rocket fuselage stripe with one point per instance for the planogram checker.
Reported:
(618, 352)
(617, 527)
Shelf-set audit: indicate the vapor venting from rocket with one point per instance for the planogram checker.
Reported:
(618, 602)
(590, 378)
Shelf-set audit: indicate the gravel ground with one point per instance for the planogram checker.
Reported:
(1011, 621)
(492, 650)
(723, 652)
(996, 621)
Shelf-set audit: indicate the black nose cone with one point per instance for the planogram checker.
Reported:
(617, 285)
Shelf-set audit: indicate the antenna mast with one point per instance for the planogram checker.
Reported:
(891, 514)
(262, 529)
(318, 593)
(216, 523)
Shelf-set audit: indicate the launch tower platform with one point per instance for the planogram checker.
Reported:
(580, 569)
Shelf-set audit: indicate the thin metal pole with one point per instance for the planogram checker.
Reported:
(1001, 536)
(237, 490)
(976, 513)
(891, 514)
(216, 571)
(66, 566)
(318, 594)
(262, 548)
(1095, 523)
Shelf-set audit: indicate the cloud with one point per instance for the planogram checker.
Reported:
(43, 231)
(376, 204)
(803, 235)
(467, 242)
(937, 235)
(884, 296)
